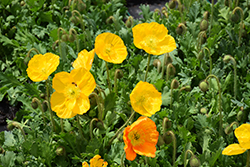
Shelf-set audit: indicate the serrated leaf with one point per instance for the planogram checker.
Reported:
(8, 160)
(9, 139)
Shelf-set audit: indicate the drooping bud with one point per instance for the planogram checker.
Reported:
(81, 6)
(244, 32)
(203, 110)
(170, 69)
(228, 129)
(165, 13)
(206, 15)
(71, 37)
(194, 161)
(163, 9)
(166, 123)
(181, 29)
(203, 37)
(204, 25)
(42, 95)
(110, 20)
(64, 37)
(129, 22)
(34, 103)
(60, 151)
(172, 4)
(22, 3)
(74, 19)
(168, 59)
(174, 84)
(227, 58)
(118, 73)
(157, 11)
(235, 18)
(240, 115)
(188, 88)
(157, 64)
(203, 86)
(200, 55)
(45, 106)
(160, 141)
(1, 150)
(167, 138)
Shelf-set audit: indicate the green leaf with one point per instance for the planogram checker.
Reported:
(9, 139)
(8, 160)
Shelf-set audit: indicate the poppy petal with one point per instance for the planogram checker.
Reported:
(233, 149)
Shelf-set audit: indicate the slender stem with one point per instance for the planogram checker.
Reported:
(149, 57)
(122, 157)
(210, 59)
(59, 42)
(91, 127)
(171, 97)
(77, 42)
(163, 66)
(40, 107)
(235, 80)
(61, 122)
(185, 158)
(117, 132)
(219, 101)
(174, 145)
(241, 22)
(80, 18)
(236, 3)
(110, 90)
(99, 107)
(179, 92)
(79, 126)
(49, 107)
(211, 19)
(248, 158)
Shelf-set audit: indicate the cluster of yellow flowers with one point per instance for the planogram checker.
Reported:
(72, 89)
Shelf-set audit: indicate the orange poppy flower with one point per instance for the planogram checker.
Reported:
(111, 48)
(84, 59)
(140, 138)
(41, 66)
(145, 99)
(71, 92)
(153, 38)
(96, 161)
(243, 135)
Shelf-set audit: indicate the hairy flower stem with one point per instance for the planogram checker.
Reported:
(40, 107)
(236, 3)
(211, 19)
(49, 107)
(179, 92)
(171, 97)
(174, 145)
(163, 66)
(79, 126)
(77, 42)
(59, 43)
(28, 54)
(122, 157)
(109, 84)
(248, 158)
(210, 59)
(149, 57)
(185, 158)
(61, 122)
(241, 22)
(18, 125)
(80, 19)
(99, 106)
(91, 127)
(229, 57)
(125, 124)
(219, 100)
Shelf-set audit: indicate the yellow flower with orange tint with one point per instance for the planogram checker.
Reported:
(153, 38)
(41, 66)
(71, 92)
(145, 99)
(111, 48)
(96, 161)
(84, 59)
(243, 135)
(140, 138)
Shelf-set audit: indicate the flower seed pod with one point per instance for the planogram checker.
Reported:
(204, 25)
(206, 15)
(203, 110)
(203, 86)
(181, 29)
(172, 4)
(60, 151)
(110, 20)
(174, 84)
(129, 22)
(194, 161)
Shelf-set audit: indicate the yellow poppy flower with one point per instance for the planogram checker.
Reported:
(243, 135)
(96, 161)
(153, 38)
(140, 138)
(111, 48)
(84, 59)
(71, 92)
(41, 66)
(145, 99)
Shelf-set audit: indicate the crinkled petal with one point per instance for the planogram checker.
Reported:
(233, 149)
(85, 164)
(82, 105)
(130, 153)
(60, 81)
(64, 113)
(57, 100)
(148, 149)
(243, 135)
(84, 59)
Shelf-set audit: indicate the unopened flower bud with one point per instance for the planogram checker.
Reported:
(22, 3)
(228, 129)
(168, 59)
(204, 25)
(157, 64)
(42, 95)
(71, 38)
(110, 20)
(118, 73)
(165, 13)
(129, 22)
(163, 9)
(203, 37)
(203, 86)
(167, 138)
(45, 106)
(60, 151)
(194, 161)
(81, 6)
(188, 88)
(240, 115)
(203, 110)
(74, 19)
(166, 123)
(64, 37)
(160, 141)
(206, 15)
(200, 55)
(1, 150)
(170, 69)
(181, 29)
(174, 84)
(172, 4)
(235, 18)
(34, 103)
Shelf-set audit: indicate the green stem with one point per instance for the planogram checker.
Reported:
(163, 66)
(99, 107)
(118, 131)
(179, 92)
(122, 157)
(77, 42)
(236, 3)
(248, 158)
(211, 19)
(49, 107)
(210, 59)
(185, 158)
(59, 42)
(241, 22)
(174, 145)
(40, 107)
(61, 122)
(80, 19)
(219, 101)
(79, 126)
(109, 84)
(91, 127)
(149, 57)
(235, 80)
(171, 97)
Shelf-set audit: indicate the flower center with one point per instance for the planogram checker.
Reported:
(151, 41)
(73, 91)
(136, 137)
